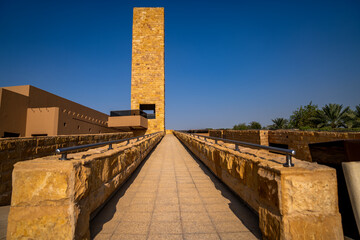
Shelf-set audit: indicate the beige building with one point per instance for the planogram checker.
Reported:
(27, 111)
(148, 71)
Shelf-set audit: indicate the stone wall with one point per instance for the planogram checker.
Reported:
(294, 139)
(251, 136)
(292, 203)
(53, 199)
(13, 150)
(300, 140)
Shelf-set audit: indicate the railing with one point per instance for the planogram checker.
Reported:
(135, 112)
(288, 152)
(65, 151)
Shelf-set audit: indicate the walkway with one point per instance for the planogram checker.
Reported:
(4, 212)
(174, 196)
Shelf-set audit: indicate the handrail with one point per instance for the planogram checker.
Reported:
(289, 152)
(66, 150)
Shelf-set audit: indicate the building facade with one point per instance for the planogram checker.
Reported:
(27, 111)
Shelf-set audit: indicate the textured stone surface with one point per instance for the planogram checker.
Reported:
(148, 69)
(38, 185)
(19, 149)
(296, 140)
(174, 196)
(53, 199)
(285, 198)
(40, 222)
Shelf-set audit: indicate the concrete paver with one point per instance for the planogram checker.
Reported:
(4, 212)
(174, 196)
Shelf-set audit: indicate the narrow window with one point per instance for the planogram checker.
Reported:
(149, 109)
(11, 134)
(39, 135)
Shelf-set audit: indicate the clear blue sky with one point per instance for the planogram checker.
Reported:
(226, 61)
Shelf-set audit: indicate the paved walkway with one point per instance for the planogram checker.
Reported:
(4, 212)
(173, 196)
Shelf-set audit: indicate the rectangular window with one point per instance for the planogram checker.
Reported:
(149, 109)
(39, 135)
(11, 134)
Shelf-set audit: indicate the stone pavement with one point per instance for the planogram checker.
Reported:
(4, 212)
(174, 196)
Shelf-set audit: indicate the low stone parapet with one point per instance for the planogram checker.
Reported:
(53, 199)
(292, 203)
(13, 150)
(293, 139)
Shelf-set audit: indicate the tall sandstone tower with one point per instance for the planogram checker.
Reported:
(148, 71)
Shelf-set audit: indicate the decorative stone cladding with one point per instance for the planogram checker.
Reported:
(294, 139)
(148, 72)
(53, 199)
(13, 150)
(292, 203)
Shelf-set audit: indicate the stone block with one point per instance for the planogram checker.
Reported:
(304, 191)
(41, 180)
(312, 226)
(40, 222)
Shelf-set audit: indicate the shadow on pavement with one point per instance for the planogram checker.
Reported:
(108, 209)
(237, 205)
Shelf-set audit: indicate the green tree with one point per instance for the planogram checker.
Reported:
(254, 125)
(357, 116)
(279, 123)
(353, 118)
(240, 126)
(332, 115)
(302, 117)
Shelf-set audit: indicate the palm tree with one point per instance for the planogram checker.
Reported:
(332, 115)
(279, 123)
(356, 121)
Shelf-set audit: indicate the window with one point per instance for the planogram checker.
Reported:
(10, 134)
(149, 109)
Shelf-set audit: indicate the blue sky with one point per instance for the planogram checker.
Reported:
(226, 62)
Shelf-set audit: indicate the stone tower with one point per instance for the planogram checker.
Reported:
(148, 72)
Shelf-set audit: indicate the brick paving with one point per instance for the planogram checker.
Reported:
(174, 196)
(4, 212)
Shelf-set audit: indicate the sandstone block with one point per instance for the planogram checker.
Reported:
(40, 222)
(37, 181)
